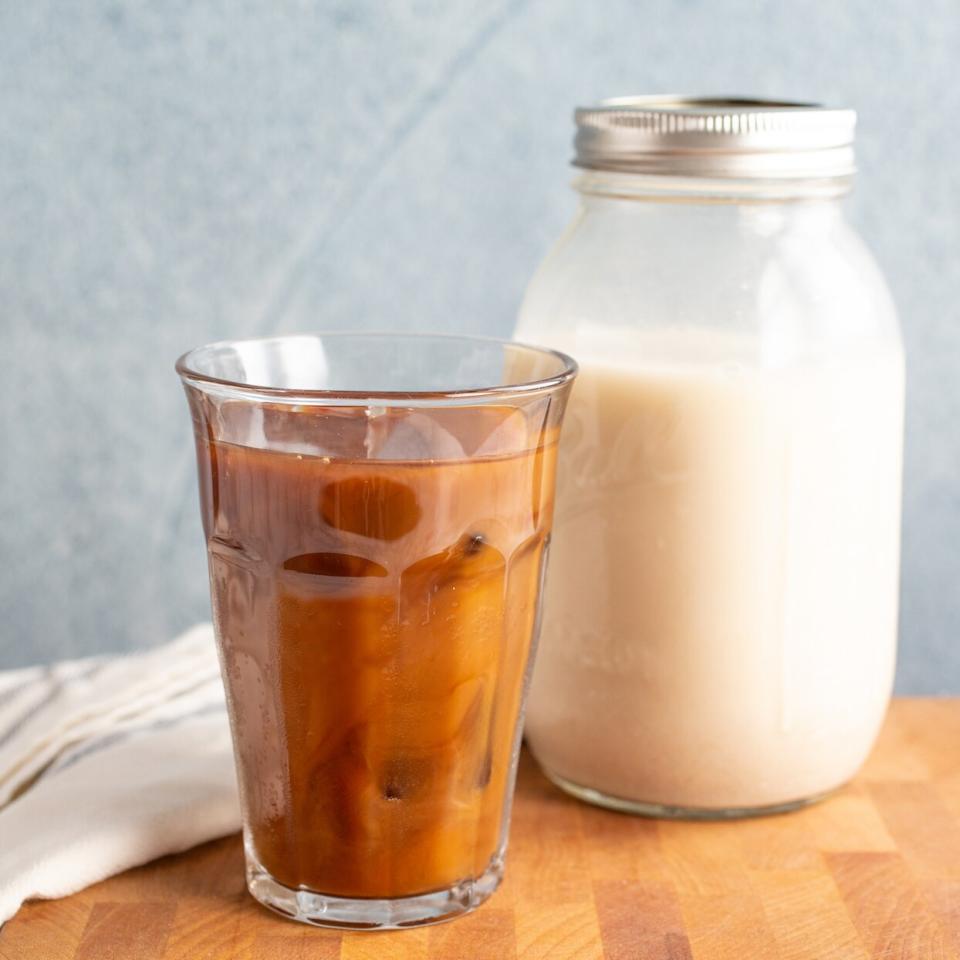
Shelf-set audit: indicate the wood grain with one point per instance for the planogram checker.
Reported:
(873, 872)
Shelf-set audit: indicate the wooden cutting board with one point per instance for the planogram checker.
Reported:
(873, 872)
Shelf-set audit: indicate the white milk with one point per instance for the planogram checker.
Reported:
(721, 607)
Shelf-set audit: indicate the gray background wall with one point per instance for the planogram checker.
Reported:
(176, 172)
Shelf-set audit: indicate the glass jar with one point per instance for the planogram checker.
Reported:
(720, 618)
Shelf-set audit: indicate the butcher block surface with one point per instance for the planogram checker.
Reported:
(872, 872)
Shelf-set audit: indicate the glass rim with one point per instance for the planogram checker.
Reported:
(209, 383)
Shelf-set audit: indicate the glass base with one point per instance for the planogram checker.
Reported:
(349, 913)
(669, 812)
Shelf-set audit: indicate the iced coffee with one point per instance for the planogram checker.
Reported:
(375, 576)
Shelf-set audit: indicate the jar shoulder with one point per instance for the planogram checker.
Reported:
(799, 274)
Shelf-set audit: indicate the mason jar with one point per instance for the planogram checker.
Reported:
(721, 611)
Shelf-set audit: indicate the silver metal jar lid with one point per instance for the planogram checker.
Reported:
(715, 137)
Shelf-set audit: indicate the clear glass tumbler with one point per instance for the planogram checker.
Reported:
(377, 510)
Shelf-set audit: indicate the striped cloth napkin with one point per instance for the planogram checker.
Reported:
(110, 762)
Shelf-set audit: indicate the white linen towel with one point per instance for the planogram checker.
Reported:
(109, 762)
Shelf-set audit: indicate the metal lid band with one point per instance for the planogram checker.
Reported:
(716, 138)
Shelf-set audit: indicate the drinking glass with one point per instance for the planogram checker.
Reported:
(377, 512)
